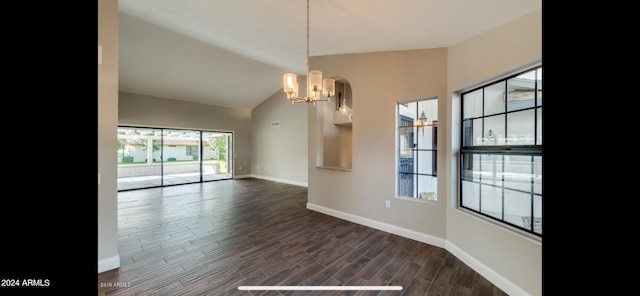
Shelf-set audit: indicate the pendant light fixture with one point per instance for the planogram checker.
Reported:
(344, 109)
(315, 83)
(422, 122)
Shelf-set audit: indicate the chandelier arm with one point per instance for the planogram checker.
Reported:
(308, 62)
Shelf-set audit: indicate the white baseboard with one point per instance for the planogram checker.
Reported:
(109, 263)
(495, 278)
(242, 176)
(408, 233)
(280, 180)
(488, 273)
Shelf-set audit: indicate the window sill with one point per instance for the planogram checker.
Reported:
(334, 168)
(417, 199)
(517, 231)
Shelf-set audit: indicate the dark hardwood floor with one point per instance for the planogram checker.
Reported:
(211, 238)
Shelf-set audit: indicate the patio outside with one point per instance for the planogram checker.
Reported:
(154, 157)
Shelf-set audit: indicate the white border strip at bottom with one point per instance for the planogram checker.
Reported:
(109, 263)
(318, 288)
(277, 180)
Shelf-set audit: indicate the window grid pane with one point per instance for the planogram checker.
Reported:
(501, 154)
(417, 153)
(494, 99)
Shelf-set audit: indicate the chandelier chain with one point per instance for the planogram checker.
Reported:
(316, 86)
(308, 64)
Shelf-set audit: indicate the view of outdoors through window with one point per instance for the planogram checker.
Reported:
(501, 154)
(417, 149)
(154, 157)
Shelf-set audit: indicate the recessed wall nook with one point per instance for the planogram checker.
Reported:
(336, 124)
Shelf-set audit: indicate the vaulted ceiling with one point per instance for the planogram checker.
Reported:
(233, 53)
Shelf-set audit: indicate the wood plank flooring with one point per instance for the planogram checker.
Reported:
(210, 238)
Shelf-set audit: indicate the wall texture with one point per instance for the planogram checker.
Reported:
(107, 132)
(280, 153)
(508, 258)
(289, 153)
(141, 110)
(378, 81)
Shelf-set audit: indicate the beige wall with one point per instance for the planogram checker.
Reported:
(280, 153)
(507, 256)
(107, 135)
(141, 110)
(378, 81)
(510, 260)
(336, 141)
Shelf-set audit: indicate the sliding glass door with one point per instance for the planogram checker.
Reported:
(181, 156)
(215, 155)
(139, 158)
(156, 157)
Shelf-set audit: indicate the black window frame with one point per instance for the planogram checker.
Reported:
(503, 151)
(407, 169)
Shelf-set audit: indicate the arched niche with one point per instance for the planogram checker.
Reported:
(336, 128)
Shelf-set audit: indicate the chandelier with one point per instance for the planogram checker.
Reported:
(422, 122)
(315, 83)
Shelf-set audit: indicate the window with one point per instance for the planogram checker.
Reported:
(192, 151)
(501, 151)
(417, 151)
(156, 157)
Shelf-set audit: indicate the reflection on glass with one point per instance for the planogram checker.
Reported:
(517, 205)
(537, 174)
(493, 132)
(471, 193)
(539, 126)
(491, 201)
(521, 128)
(472, 104)
(518, 172)
(494, 99)
(490, 169)
(521, 91)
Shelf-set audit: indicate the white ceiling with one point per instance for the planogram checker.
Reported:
(233, 53)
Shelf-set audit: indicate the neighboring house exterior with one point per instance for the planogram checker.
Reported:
(179, 150)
